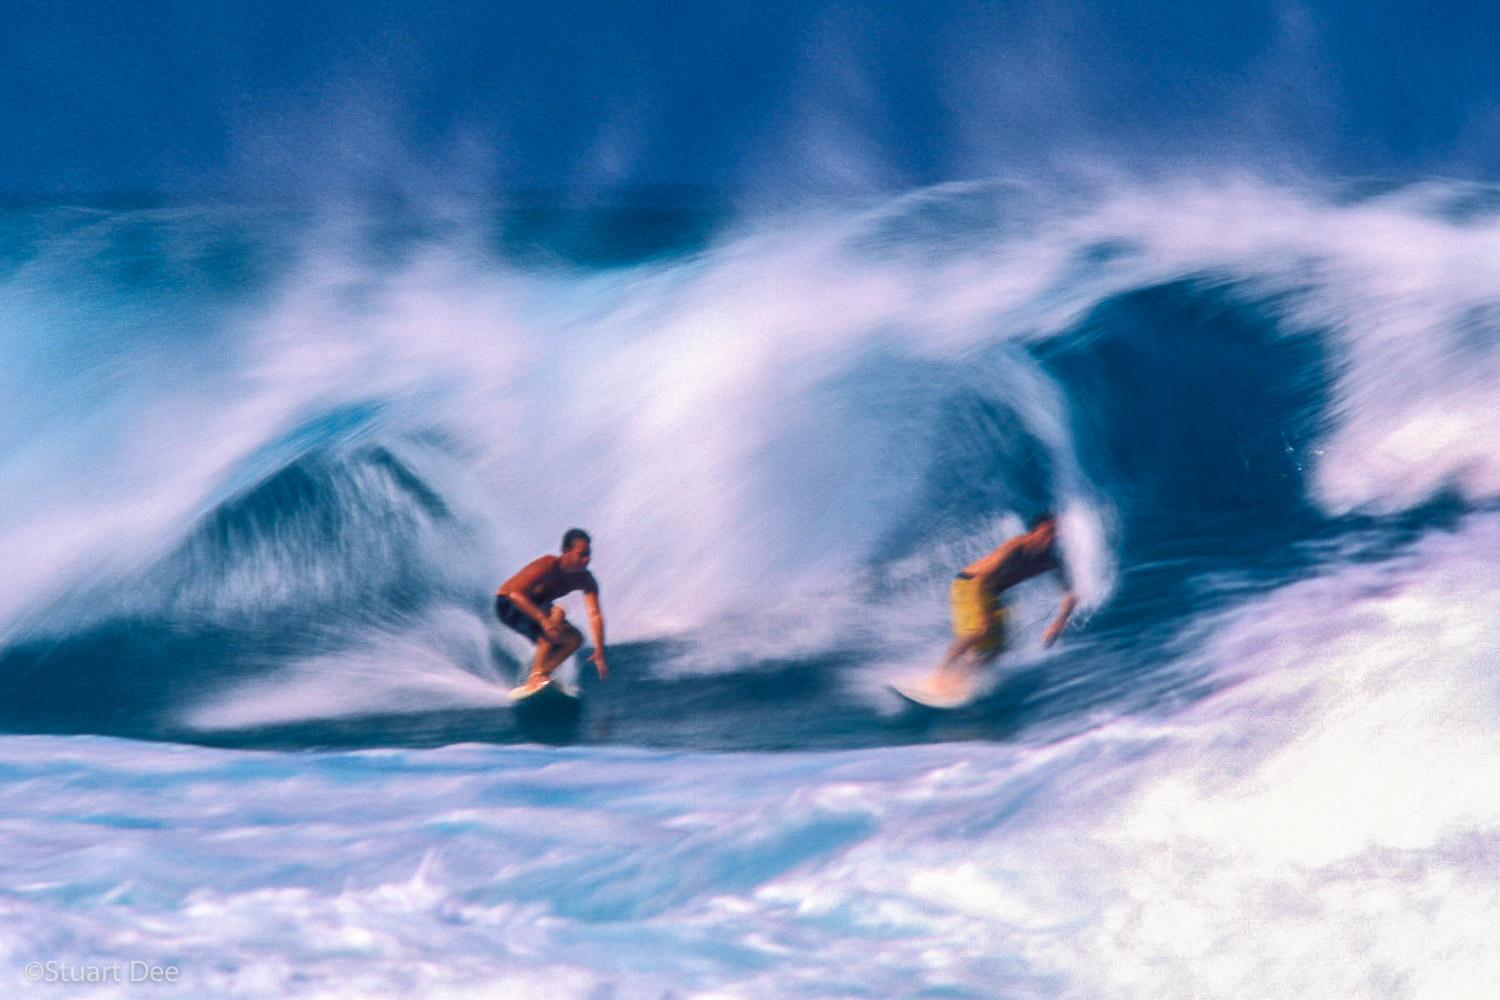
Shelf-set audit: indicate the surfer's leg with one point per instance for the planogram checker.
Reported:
(992, 641)
(972, 608)
(955, 662)
(550, 655)
(972, 649)
(546, 649)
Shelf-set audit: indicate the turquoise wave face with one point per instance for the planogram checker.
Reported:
(264, 469)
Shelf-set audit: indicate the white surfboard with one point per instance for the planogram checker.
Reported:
(923, 695)
(554, 692)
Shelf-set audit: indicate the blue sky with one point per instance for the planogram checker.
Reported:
(270, 96)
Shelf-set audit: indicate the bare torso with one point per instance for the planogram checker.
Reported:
(1012, 563)
(543, 581)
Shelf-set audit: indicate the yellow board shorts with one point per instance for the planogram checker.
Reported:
(975, 609)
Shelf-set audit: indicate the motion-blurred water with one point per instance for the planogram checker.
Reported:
(263, 470)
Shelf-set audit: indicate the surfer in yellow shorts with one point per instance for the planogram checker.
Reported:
(978, 614)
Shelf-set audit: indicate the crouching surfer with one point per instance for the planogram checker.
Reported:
(978, 612)
(525, 604)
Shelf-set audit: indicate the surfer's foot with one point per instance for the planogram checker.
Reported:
(947, 683)
(531, 684)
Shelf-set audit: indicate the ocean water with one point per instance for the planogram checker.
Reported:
(262, 470)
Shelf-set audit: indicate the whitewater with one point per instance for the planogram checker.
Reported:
(262, 469)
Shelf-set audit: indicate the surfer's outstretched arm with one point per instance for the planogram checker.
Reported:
(596, 627)
(1064, 612)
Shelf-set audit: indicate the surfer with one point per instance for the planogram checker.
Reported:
(978, 614)
(525, 604)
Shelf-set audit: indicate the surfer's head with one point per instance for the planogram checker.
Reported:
(576, 549)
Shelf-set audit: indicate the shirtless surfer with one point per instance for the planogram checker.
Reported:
(979, 616)
(525, 604)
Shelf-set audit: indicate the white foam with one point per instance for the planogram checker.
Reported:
(1383, 670)
(442, 662)
(701, 417)
(690, 414)
(1334, 794)
(1322, 826)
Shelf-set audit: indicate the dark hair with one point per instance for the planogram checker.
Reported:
(574, 534)
(1037, 520)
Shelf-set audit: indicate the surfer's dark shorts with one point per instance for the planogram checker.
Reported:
(516, 619)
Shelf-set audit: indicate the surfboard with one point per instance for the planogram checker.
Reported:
(553, 693)
(921, 694)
